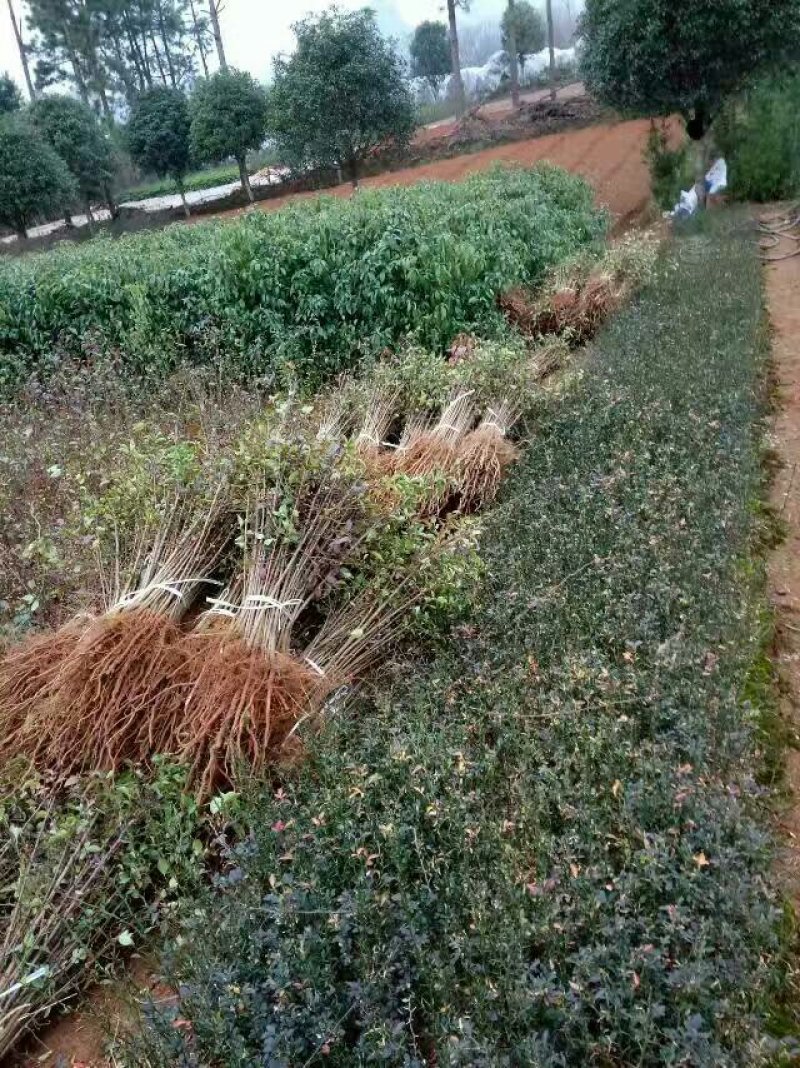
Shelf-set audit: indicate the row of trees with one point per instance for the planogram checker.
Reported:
(110, 51)
(435, 48)
(226, 116)
(53, 155)
(522, 31)
(342, 93)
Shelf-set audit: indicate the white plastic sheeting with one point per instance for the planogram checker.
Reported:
(479, 81)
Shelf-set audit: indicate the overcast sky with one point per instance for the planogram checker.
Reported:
(254, 30)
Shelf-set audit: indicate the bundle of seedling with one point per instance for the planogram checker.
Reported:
(581, 295)
(246, 676)
(219, 678)
(96, 692)
(59, 903)
(459, 465)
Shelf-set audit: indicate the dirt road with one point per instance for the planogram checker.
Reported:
(609, 156)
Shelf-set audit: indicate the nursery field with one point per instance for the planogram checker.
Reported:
(385, 637)
(301, 294)
(546, 843)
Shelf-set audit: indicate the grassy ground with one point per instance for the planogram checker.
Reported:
(205, 178)
(546, 845)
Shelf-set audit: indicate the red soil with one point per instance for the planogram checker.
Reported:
(610, 157)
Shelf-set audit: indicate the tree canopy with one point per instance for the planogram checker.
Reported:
(10, 98)
(158, 133)
(529, 30)
(430, 54)
(109, 51)
(228, 117)
(341, 94)
(656, 57)
(71, 128)
(34, 180)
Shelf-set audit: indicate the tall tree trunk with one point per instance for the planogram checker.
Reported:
(77, 72)
(512, 54)
(552, 47)
(213, 10)
(157, 54)
(182, 191)
(139, 62)
(124, 70)
(146, 59)
(165, 42)
(245, 178)
(108, 114)
(23, 53)
(455, 59)
(354, 170)
(108, 195)
(201, 48)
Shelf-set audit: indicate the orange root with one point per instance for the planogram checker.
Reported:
(118, 697)
(241, 706)
(578, 309)
(484, 457)
(28, 673)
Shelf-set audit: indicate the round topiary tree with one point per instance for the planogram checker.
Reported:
(430, 54)
(72, 130)
(228, 117)
(659, 57)
(529, 30)
(158, 135)
(34, 180)
(341, 94)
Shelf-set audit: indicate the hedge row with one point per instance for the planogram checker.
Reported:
(313, 286)
(544, 847)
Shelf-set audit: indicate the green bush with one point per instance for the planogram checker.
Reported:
(85, 875)
(759, 135)
(311, 288)
(34, 179)
(543, 847)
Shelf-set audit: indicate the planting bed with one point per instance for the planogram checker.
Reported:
(546, 845)
(261, 554)
(303, 294)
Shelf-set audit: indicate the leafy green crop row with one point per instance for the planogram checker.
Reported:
(306, 290)
(543, 847)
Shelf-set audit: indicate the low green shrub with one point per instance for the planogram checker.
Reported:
(85, 876)
(303, 293)
(544, 846)
(759, 135)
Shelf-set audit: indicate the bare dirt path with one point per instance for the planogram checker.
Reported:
(783, 300)
(610, 157)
